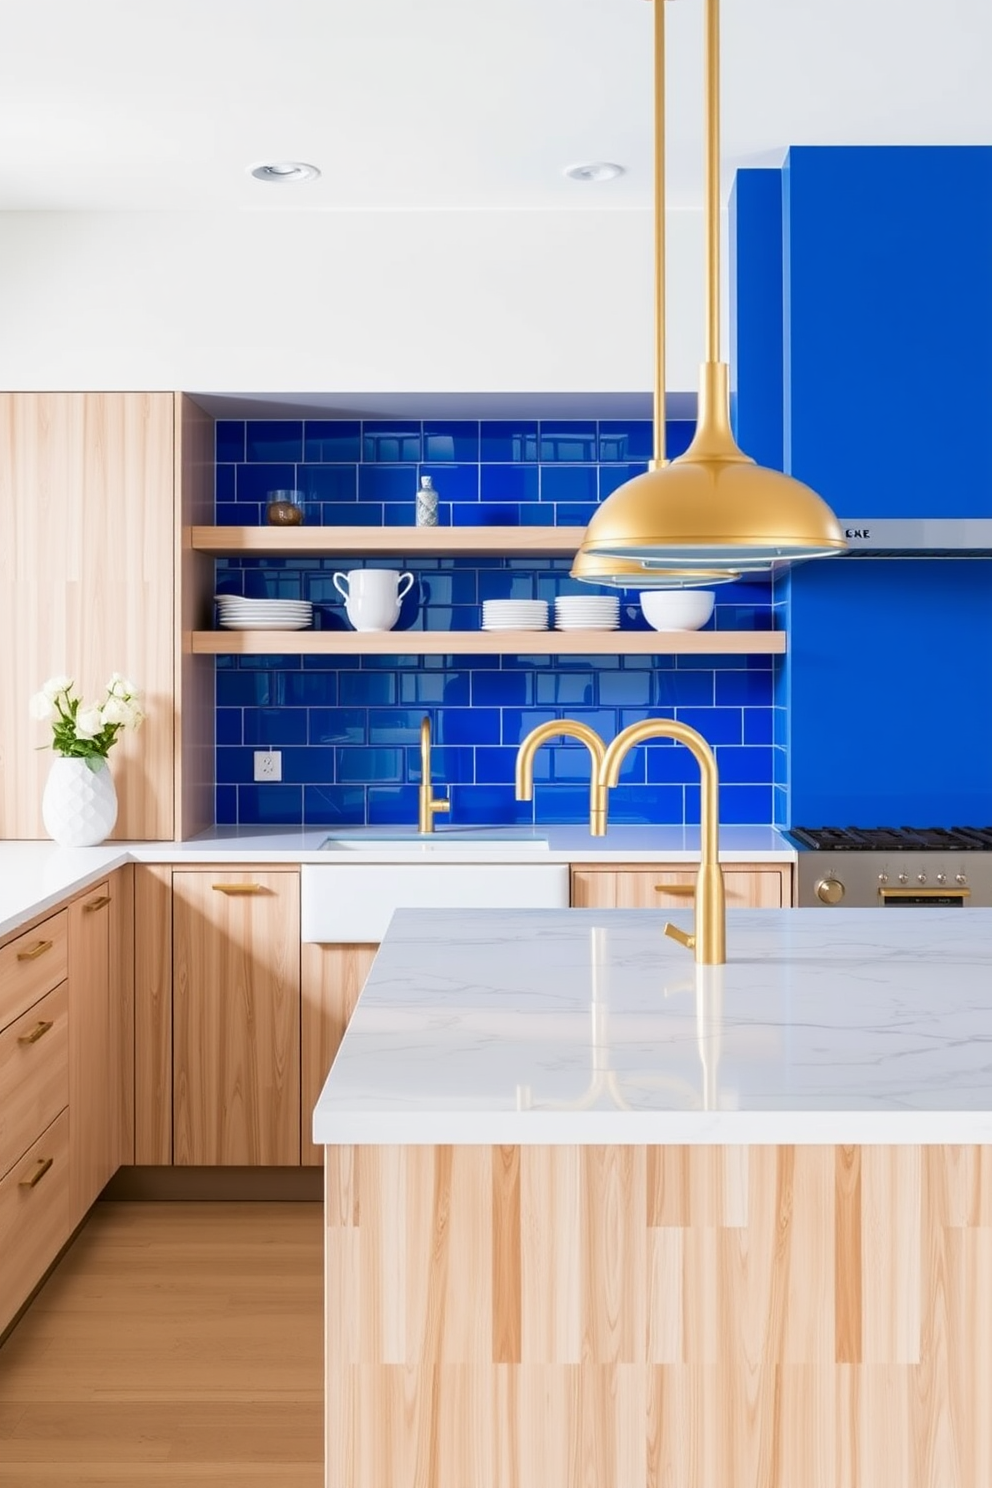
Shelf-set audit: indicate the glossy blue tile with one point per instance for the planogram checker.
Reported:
(683, 689)
(234, 766)
(338, 726)
(617, 475)
(265, 727)
(367, 766)
(533, 514)
(434, 688)
(566, 688)
(517, 722)
(309, 689)
(333, 805)
(328, 483)
(497, 766)
(274, 439)
(450, 440)
(678, 436)
(780, 727)
(386, 483)
(399, 513)
(392, 805)
(357, 514)
(391, 441)
(632, 805)
(236, 689)
(450, 765)
(561, 803)
(758, 725)
(626, 689)
(394, 725)
(573, 514)
(456, 587)
(454, 483)
(468, 725)
(228, 729)
(780, 767)
(666, 766)
(744, 688)
(254, 482)
(508, 440)
(626, 439)
(509, 483)
(571, 483)
(485, 514)
(226, 805)
(568, 440)
(717, 725)
(745, 764)
(225, 485)
(274, 805)
(230, 440)
(488, 805)
(366, 689)
(745, 803)
(498, 689)
(332, 440)
(272, 583)
(309, 765)
(238, 514)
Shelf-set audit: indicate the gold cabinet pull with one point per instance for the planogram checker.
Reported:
(35, 951)
(44, 1163)
(97, 903)
(684, 889)
(689, 941)
(240, 888)
(38, 1031)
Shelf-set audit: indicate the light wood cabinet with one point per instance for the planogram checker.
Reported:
(332, 976)
(236, 1017)
(672, 886)
(94, 1051)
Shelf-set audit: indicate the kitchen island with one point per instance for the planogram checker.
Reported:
(595, 1215)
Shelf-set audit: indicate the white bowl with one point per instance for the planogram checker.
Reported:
(677, 609)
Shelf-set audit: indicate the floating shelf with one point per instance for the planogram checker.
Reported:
(335, 542)
(489, 642)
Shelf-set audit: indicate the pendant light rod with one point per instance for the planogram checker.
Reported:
(712, 82)
(659, 235)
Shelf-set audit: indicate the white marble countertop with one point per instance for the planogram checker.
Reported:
(586, 1026)
(35, 876)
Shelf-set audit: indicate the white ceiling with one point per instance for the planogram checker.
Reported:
(449, 104)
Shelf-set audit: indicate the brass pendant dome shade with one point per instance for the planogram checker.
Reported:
(713, 508)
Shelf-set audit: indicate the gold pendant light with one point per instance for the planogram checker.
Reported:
(712, 507)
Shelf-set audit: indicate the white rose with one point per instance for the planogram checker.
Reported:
(116, 710)
(55, 686)
(119, 686)
(88, 723)
(41, 707)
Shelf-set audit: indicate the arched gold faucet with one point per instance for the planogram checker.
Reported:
(587, 736)
(429, 803)
(710, 938)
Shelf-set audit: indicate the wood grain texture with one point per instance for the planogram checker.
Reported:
(747, 886)
(34, 1220)
(193, 607)
(32, 963)
(94, 1038)
(177, 1345)
(763, 1317)
(34, 1073)
(121, 930)
(331, 977)
(489, 643)
(236, 1017)
(152, 1013)
(86, 587)
(330, 542)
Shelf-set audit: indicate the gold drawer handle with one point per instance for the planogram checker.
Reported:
(44, 1163)
(684, 889)
(38, 1031)
(97, 903)
(35, 951)
(249, 888)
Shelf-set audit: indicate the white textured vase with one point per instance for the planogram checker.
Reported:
(79, 805)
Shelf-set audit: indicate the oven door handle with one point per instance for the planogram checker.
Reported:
(956, 893)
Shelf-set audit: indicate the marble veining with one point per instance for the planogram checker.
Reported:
(590, 1026)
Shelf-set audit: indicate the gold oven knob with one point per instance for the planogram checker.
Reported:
(830, 890)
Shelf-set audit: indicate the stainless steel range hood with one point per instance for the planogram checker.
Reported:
(917, 537)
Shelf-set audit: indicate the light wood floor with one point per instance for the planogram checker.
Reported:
(175, 1344)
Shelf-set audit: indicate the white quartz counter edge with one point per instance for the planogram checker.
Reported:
(36, 876)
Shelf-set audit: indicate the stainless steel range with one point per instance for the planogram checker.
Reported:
(894, 867)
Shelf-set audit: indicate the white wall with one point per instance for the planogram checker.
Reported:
(332, 302)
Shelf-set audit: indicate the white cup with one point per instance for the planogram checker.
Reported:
(372, 596)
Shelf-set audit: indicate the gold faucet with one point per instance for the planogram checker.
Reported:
(587, 736)
(429, 803)
(710, 938)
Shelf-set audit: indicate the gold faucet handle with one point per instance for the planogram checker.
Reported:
(689, 941)
(440, 804)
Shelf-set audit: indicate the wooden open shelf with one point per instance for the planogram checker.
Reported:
(489, 642)
(352, 542)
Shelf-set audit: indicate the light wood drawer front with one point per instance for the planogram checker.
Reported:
(34, 1073)
(32, 965)
(34, 1215)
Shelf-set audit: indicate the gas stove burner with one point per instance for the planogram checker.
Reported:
(894, 839)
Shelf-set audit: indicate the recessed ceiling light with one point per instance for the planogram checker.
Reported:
(284, 170)
(594, 170)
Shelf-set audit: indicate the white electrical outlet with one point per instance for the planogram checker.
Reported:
(268, 764)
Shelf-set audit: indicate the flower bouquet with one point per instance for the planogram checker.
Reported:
(79, 806)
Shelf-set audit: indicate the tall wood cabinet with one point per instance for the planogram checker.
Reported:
(673, 886)
(236, 1017)
(98, 492)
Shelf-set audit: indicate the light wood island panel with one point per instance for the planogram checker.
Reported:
(647, 1317)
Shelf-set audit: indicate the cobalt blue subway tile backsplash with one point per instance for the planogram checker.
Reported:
(348, 727)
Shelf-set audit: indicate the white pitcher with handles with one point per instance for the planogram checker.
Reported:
(372, 596)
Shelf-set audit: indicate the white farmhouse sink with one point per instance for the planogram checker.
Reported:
(442, 839)
(352, 902)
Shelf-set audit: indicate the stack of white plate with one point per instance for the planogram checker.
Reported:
(587, 612)
(235, 613)
(515, 614)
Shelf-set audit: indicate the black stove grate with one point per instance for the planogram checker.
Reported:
(894, 839)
